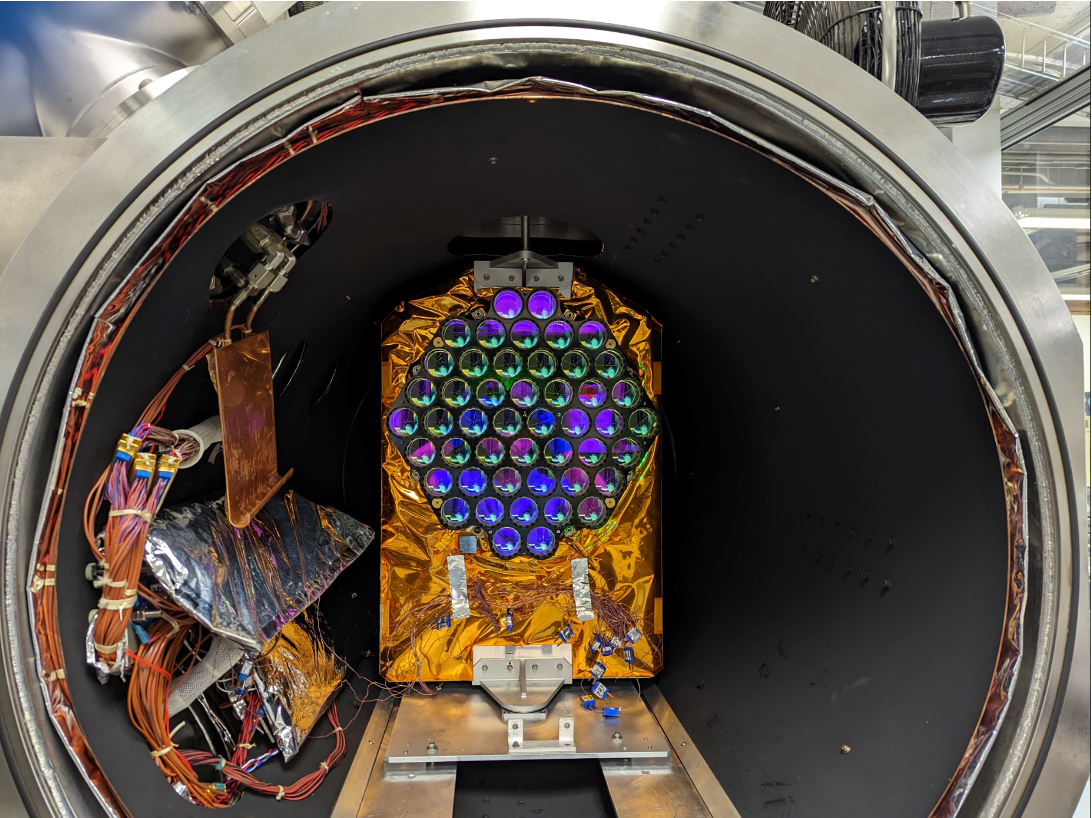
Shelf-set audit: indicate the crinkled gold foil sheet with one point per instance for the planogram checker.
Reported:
(623, 556)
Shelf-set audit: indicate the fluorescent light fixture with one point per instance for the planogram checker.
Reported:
(1058, 222)
(1072, 297)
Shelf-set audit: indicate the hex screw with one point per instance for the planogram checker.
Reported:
(616, 737)
(485, 277)
(560, 668)
(437, 342)
(416, 475)
(515, 744)
(814, 279)
(534, 668)
(845, 749)
(485, 668)
(479, 313)
(431, 748)
(437, 502)
(417, 369)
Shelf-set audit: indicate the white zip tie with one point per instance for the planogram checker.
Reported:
(281, 793)
(162, 751)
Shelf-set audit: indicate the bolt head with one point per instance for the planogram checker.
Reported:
(515, 744)
(485, 668)
(617, 736)
(845, 749)
(814, 279)
(561, 667)
(485, 277)
(534, 668)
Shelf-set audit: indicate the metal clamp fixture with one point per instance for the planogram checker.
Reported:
(523, 679)
(525, 268)
(565, 743)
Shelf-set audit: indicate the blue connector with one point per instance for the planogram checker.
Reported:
(600, 690)
(565, 634)
(598, 669)
(612, 711)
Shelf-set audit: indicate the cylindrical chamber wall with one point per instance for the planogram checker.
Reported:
(791, 401)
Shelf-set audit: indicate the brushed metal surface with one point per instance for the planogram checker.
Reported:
(685, 753)
(466, 725)
(33, 169)
(415, 791)
(356, 782)
(660, 788)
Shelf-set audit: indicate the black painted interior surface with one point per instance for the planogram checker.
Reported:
(823, 438)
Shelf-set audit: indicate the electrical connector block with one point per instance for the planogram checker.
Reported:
(633, 635)
(509, 620)
(596, 643)
(443, 623)
(127, 448)
(606, 649)
(629, 655)
(588, 702)
(600, 690)
(612, 712)
(598, 669)
(144, 465)
(565, 634)
(616, 641)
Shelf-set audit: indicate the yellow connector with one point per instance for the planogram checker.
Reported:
(168, 466)
(144, 464)
(128, 446)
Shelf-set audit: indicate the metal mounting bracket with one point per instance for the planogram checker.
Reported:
(522, 679)
(525, 268)
(566, 743)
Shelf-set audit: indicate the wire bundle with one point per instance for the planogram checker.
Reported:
(135, 486)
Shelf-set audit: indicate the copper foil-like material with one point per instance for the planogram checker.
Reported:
(623, 556)
(243, 377)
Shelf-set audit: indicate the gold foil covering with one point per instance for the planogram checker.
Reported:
(623, 556)
(301, 671)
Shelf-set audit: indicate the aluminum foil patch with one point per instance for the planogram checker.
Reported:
(456, 575)
(246, 583)
(582, 590)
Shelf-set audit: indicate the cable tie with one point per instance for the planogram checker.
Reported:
(339, 729)
(247, 746)
(162, 751)
(123, 604)
(55, 675)
(324, 766)
(220, 764)
(280, 794)
(186, 367)
(47, 567)
(108, 648)
(181, 724)
(139, 512)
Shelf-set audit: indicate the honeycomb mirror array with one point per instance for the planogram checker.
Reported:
(524, 422)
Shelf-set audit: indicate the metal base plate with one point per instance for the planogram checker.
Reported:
(466, 725)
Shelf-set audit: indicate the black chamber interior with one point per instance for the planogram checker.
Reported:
(822, 438)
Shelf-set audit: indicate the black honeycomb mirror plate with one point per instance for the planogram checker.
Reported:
(525, 421)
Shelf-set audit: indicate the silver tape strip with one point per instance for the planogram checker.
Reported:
(456, 575)
(582, 590)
